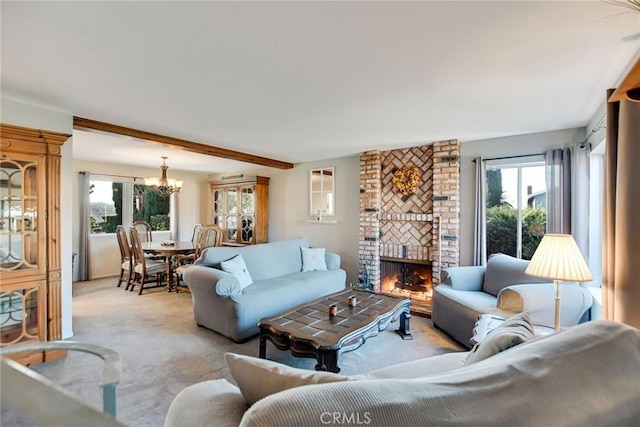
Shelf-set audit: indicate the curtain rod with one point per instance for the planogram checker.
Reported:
(135, 178)
(511, 157)
(600, 124)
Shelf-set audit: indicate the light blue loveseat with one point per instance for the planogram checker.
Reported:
(220, 303)
(502, 287)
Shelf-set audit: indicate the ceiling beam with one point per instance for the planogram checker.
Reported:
(82, 123)
(630, 82)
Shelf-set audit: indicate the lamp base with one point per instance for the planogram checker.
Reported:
(557, 286)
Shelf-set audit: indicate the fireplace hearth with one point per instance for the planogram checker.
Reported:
(410, 278)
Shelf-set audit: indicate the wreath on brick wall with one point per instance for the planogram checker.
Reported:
(406, 180)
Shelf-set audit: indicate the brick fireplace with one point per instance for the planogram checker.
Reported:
(406, 240)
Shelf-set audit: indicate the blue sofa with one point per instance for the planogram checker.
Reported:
(221, 304)
(501, 287)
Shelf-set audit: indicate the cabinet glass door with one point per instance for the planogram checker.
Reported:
(232, 200)
(20, 222)
(19, 316)
(246, 233)
(218, 202)
(248, 201)
(247, 208)
(232, 228)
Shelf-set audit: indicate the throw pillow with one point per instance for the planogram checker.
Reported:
(258, 378)
(513, 331)
(238, 268)
(313, 259)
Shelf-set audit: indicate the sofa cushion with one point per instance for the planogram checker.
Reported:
(258, 378)
(478, 301)
(266, 298)
(200, 403)
(313, 259)
(238, 268)
(418, 368)
(513, 331)
(504, 270)
(264, 261)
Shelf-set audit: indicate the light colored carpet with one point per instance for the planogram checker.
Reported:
(163, 350)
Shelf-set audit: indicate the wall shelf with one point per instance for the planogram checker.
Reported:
(322, 221)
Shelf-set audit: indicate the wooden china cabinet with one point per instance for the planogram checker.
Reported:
(30, 271)
(240, 207)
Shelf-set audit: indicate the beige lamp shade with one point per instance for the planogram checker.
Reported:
(559, 258)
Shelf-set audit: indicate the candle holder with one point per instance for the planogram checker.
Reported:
(333, 310)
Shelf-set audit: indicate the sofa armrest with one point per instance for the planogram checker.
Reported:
(332, 260)
(201, 278)
(468, 278)
(539, 300)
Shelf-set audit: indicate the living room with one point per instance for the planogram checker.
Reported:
(508, 108)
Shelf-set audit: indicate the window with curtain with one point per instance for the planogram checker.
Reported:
(114, 203)
(515, 207)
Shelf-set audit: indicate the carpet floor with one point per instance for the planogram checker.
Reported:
(164, 351)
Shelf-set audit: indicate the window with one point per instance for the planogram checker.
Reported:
(121, 203)
(596, 208)
(515, 208)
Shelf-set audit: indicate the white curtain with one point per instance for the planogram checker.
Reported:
(567, 175)
(558, 173)
(580, 190)
(84, 265)
(480, 224)
(174, 216)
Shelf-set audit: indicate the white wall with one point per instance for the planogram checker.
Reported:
(533, 143)
(20, 114)
(289, 208)
(104, 252)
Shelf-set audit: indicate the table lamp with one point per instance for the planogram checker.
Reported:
(559, 258)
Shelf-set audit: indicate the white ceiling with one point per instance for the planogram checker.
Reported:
(304, 81)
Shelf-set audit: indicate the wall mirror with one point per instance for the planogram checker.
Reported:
(322, 192)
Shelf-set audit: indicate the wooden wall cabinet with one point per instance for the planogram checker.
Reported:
(240, 207)
(30, 271)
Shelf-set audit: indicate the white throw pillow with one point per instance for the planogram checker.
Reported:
(313, 259)
(515, 330)
(238, 268)
(258, 378)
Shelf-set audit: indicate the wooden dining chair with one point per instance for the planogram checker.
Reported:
(126, 258)
(144, 231)
(143, 267)
(208, 236)
(196, 232)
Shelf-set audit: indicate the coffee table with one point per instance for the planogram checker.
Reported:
(308, 330)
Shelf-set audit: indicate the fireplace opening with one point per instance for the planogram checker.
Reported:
(408, 278)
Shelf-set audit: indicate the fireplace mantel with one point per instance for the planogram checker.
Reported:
(394, 216)
(406, 260)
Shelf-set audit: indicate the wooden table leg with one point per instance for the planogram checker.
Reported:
(168, 273)
(405, 326)
(263, 346)
(328, 361)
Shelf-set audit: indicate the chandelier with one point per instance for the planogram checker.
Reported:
(163, 185)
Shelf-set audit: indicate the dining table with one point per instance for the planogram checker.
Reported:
(169, 249)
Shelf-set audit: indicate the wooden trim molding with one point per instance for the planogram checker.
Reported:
(630, 82)
(12, 132)
(194, 147)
